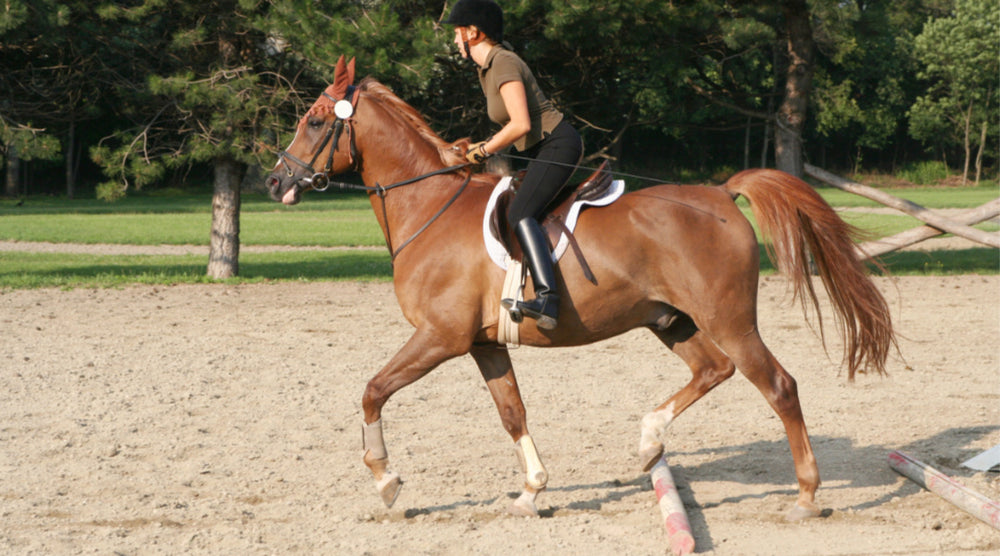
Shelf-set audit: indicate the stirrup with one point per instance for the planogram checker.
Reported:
(515, 312)
(520, 309)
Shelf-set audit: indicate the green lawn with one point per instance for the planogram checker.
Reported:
(36, 270)
(333, 219)
(327, 220)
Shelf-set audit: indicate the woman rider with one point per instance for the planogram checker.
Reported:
(535, 128)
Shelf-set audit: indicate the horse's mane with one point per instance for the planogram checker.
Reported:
(449, 154)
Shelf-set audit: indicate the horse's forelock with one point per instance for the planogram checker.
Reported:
(322, 107)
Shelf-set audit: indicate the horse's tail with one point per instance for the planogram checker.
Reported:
(795, 221)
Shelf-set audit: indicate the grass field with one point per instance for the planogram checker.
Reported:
(334, 219)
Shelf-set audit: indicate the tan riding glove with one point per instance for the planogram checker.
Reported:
(477, 153)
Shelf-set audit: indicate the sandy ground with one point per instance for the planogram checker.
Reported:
(226, 420)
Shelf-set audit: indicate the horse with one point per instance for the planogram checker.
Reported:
(680, 261)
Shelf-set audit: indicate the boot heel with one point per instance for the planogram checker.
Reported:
(546, 322)
(542, 310)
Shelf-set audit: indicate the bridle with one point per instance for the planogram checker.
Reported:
(343, 110)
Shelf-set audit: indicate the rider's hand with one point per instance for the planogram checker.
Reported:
(477, 153)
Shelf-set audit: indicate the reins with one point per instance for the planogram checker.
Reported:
(592, 169)
(381, 190)
(625, 175)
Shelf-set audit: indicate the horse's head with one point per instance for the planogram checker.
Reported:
(318, 138)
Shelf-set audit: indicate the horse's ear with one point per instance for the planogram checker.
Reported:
(343, 77)
(350, 71)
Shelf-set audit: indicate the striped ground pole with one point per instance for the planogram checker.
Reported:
(675, 520)
(944, 486)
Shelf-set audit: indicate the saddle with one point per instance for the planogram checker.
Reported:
(597, 190)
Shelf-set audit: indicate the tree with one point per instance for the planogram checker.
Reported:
(866, 75)
(48, 59)
(400, 42)
(615, 68)
(210, 100)
(788, 152)
(757, 60)
(959, 55)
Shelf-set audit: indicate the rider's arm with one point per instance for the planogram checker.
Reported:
(516, 101)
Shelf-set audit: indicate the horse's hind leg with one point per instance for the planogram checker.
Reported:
(709, 368)
(496, 368)
(759, 365)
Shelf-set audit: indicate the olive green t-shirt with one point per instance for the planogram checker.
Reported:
(503, 66)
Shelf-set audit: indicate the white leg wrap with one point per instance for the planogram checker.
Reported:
(387, 482)
(654, 426)
(535, 474)
(371, 438)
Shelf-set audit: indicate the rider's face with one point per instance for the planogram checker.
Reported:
(460, 42)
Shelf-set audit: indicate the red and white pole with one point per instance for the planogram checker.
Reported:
(944, 486)
(675, 520)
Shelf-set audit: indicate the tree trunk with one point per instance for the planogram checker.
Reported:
(13, 172)
(71, 160)
(746, 144)
(224, 251)
(982, 137)
(968, 144)
(767, 135)
(792, 112)
(979, 155)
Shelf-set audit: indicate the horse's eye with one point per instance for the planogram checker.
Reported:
(315, 122)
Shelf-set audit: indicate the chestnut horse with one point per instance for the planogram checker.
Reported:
(681, 261)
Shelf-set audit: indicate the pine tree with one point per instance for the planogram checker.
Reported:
(210, 98)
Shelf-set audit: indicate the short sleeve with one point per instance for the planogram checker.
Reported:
(506, 68)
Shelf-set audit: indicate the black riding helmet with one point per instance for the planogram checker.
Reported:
(486, 15)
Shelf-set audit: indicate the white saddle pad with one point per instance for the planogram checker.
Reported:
(498, 253)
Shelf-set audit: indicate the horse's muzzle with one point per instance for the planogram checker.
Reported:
(283, 189)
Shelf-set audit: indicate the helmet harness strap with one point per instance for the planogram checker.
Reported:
(466, 41)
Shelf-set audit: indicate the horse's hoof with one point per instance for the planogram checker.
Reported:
(388, 487)
(524, 506)
(649, 455)
(800, 512)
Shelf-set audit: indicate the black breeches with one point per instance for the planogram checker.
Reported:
(543, 180)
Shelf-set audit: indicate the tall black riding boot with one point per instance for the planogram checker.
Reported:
(537, 254)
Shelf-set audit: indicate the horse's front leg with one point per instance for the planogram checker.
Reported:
(422, 353)
(495, 366)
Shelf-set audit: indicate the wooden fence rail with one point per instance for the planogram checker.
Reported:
(936, 223)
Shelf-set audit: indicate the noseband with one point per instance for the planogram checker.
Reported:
(343, 110)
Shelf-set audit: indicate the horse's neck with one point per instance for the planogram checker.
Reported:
(392, 156)
(393, 151)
